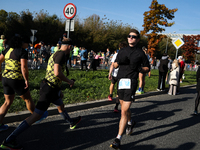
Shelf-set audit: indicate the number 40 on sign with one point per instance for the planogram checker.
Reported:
(69, 11)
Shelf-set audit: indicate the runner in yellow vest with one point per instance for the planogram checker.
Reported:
(75, 54)
(2, 43)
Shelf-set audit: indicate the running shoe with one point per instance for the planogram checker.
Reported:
(11, 145)
(109, 98)
(158, 89)
(115, 144)
(75, 122)
(44, 116)
(129, 129)
(116, 110)
(195, 112)
(138, 92)
(3, 127)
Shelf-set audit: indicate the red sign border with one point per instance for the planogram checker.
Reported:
(74, 13)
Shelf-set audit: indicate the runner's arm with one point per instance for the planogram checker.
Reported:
(110, 71)
(58, 73)
(24, 69)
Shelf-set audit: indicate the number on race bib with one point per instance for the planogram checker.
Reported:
(124, 84)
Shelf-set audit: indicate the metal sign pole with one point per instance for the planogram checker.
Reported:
(176, 53)
(33, 38)
(69, 28)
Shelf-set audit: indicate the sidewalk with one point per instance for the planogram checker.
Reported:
(15, 117)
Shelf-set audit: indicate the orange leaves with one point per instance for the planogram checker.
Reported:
(157, 16)
(190, 46)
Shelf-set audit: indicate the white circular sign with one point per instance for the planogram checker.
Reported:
(69, 11)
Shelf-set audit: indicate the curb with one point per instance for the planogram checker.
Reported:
(16, 117)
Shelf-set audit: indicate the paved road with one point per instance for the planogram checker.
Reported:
(164, 122)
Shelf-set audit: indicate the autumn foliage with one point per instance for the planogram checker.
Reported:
(154, 19)
(190, 46)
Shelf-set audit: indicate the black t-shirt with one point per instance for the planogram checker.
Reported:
(59, 58)
(17, 54)
(130, 60)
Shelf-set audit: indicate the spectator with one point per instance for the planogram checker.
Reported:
(173, 78)
(154, 63)
(91, 63)
(198, 91)
(84, 56)
(163, 66)
(107, 57)
(182, 65)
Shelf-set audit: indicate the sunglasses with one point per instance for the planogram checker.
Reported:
(133, 36)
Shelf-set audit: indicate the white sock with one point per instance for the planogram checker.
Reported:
(130, 122)
(119, 137)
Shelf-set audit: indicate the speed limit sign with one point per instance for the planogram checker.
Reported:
(69, 11)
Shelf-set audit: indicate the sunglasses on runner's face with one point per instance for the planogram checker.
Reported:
(133, 36)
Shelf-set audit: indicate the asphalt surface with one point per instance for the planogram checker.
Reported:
(164, 122)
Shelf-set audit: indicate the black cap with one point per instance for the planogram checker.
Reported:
(68, 42)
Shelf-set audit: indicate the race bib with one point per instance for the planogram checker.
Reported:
(124, 84)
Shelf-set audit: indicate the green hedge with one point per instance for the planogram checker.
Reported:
(91, 85)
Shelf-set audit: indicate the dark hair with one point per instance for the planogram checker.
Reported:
(67, 41)
(165, 54)
(15, 42)
(122, 45)
(136, 32)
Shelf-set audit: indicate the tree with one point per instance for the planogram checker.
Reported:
(154, 19)
(190, 46)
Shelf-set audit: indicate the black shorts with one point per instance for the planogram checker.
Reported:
(128, 94)
(47, 95)
(114, 80)
(74, 57)
(106, 60)
(12, 86)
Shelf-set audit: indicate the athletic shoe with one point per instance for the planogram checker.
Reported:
(195, 112)
(109, 98)
(116, 110)
(11, 145)
(44, 116)
(138, 92)
(115, 144)
(75, 122)
(129, 128)
(169, 94)
(3, 127)
(158, 89)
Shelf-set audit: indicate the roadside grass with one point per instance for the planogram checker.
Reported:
(91, 85)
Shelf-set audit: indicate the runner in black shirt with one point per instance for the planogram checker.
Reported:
(129, 61)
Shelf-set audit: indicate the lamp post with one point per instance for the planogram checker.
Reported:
(166, 46)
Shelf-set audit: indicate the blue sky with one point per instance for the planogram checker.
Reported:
(187, 18)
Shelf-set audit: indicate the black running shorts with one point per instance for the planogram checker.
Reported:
(114, 80)
(47, 95)
(128, 94)
(12, 86)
